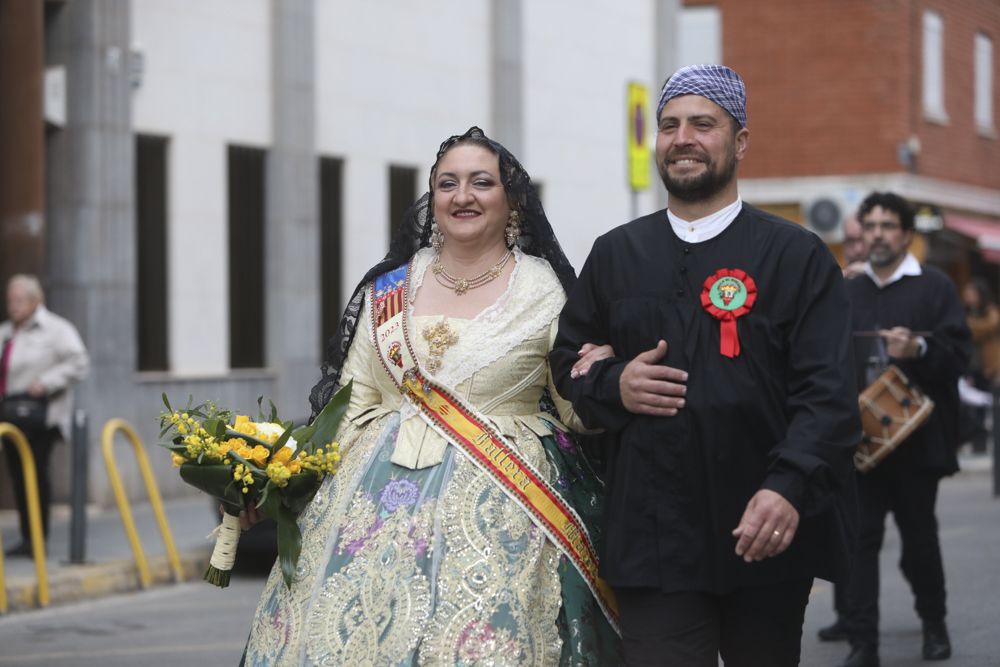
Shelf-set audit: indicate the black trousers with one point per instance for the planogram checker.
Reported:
(41, 442)
(751, 627)
(911, 495)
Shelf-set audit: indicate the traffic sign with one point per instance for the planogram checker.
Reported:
(638, 149)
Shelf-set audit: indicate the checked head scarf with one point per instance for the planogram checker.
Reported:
(715, 82)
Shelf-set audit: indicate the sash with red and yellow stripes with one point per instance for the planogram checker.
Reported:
(478, 439)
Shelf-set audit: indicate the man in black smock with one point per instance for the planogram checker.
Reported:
(919, 316)
(732, 396)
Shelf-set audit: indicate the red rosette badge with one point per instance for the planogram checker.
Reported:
(727, 295)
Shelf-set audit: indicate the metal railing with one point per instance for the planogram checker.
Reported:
(107, 443)
(14, 434)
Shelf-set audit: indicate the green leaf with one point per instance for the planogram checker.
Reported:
(216, 481)
(303, 436)
(265, 494)
(280, 442)
(274, 412)
(289, 543)
(166, 402)
(328, 420)
(300, 490)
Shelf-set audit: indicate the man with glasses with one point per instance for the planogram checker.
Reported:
(909, 315)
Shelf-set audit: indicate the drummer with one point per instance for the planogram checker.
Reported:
(910, 315)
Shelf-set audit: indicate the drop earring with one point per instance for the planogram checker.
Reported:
(437, 238)
(513, 230)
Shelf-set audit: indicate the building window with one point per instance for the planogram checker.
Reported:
(247, 306)
(933, 68)
(699, 35)
(984, 84)
(331, 198)
(151, 252)
(402, 194)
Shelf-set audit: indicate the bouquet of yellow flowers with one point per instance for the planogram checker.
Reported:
(265, 464)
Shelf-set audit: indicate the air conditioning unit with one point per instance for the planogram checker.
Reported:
(825, 215)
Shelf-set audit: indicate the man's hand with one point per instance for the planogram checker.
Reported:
(590, 354)
(650, 389)
(767, 526)
(36, 389)
(854, 269)
(900, 343)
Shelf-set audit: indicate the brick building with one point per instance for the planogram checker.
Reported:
(847, 96)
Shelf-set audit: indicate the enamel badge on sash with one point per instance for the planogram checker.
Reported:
(727, 295)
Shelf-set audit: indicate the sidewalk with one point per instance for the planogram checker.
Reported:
(110, 565)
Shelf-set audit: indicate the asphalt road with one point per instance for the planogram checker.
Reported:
(191, 624)
(195, 624)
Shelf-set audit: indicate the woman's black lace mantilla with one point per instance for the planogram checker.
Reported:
(537, 238)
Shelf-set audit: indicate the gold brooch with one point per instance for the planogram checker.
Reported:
(439, 337)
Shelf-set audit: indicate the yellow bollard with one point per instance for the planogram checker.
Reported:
(107, 442)
(14, 434)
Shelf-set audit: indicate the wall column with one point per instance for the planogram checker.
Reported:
(292, 251)
(91, 234)
(508, 75)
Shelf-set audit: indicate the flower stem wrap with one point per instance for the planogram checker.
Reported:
(224, 554)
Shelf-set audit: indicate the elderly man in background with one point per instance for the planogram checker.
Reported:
(854, 248)
(41, 357)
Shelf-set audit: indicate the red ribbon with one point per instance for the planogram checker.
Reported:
(729, 340)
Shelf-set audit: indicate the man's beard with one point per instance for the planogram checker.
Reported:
(883, 257)
(708, 183)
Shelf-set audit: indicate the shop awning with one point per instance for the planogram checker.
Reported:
(986, 233)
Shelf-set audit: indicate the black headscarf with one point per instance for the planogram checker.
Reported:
(537, 238)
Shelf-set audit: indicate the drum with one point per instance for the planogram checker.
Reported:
(891, 409)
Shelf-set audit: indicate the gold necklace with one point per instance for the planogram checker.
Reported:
(463, 285)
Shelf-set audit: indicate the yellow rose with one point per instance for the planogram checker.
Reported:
(283, 455)
(244, 425)
(260, 454)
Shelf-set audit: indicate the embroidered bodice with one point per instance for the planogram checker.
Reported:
(498, 362)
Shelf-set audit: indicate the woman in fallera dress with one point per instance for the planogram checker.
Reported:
(462, 527)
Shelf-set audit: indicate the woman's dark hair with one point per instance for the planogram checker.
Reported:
(537, 238)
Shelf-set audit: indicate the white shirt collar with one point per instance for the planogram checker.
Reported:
(703, 229)
(908, 267)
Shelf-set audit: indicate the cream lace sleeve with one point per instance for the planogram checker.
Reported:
(358, 365)
(565, 409)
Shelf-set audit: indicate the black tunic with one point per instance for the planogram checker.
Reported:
(782, 415)
(928, 302)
